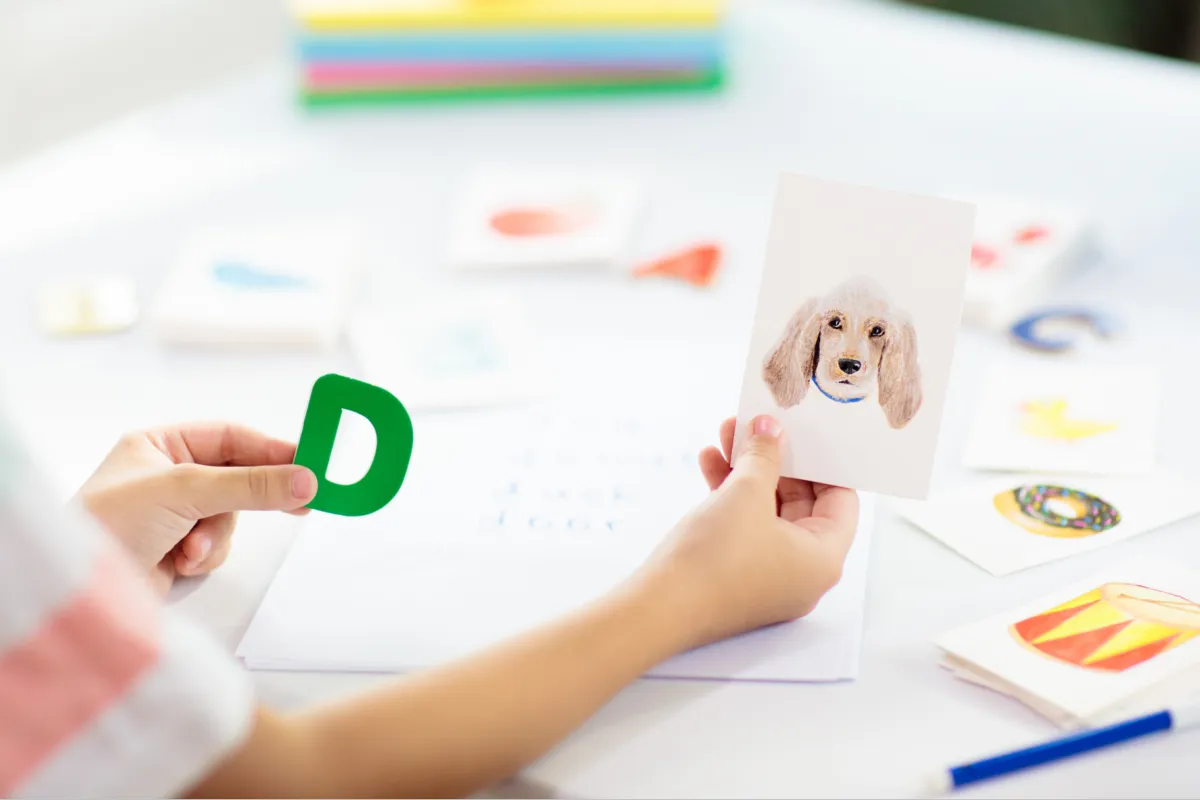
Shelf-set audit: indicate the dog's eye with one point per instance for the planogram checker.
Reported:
(835, 323)
(876, 331)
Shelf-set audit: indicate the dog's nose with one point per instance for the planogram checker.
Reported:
(849, 365)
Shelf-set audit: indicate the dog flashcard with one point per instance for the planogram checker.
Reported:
(1008, 524)
(854, 333)
(1055, 418)
(1121, 643)
(1018, 250)
(452, 352)
(545, 218)
(286, 285)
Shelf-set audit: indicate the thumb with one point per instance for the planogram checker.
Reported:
(759, 460)
(216, 490)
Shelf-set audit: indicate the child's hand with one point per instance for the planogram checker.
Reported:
(171, 494)
(760, 549)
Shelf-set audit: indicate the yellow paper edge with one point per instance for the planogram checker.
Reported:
(618, 14)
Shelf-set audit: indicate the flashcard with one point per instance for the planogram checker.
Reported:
(287, 285)
(858, 312)
(545, 218)
(1008, 524)
(1079, 419)
(1017, 251)
(453, 352)
(1061, 328)
(1119, 644)
(87, 305)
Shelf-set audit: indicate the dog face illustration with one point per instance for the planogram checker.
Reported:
(849, 343)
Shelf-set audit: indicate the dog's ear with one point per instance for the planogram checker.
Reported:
(900, 376)
(789, 366)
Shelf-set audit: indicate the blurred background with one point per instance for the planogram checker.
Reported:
(129, 128)
(1166, 27)
(66, 65)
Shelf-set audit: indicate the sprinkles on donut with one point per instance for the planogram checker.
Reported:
(1032, 507)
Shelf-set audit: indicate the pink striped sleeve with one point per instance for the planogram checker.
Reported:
(103, 692)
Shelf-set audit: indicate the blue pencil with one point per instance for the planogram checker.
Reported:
(1067, 746)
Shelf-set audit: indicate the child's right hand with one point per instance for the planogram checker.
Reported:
(760, 550)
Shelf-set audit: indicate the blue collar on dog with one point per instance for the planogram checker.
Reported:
(831, 397)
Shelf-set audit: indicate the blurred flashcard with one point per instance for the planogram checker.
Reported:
(286, 285)
(545, 218)
(454, 351)
(696, 265)
(1019, 249)
(87, 305)
(1066, 418)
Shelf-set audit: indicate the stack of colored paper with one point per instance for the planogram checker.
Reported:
(354, 51)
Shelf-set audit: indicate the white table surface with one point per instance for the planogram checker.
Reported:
(860, 91)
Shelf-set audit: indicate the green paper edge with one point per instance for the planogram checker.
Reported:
(709, 80)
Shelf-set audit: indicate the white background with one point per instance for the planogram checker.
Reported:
(918, 249)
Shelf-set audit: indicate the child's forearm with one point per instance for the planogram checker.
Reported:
(454, 730)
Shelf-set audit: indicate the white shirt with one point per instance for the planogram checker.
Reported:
(103, 691)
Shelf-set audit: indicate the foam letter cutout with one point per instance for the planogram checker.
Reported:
(332, 394)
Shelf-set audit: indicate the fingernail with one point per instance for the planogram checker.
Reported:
(203, 546)
(304, 484)
(767, 426)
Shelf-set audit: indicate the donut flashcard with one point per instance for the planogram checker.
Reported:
(528, 218)
(1007, 524)
(1065, 418)
(1093, 652)
(1049, 510)
(1018, 249)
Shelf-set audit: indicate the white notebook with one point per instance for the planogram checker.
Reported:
(480, 547)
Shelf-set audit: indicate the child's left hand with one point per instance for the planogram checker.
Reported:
(171, 495)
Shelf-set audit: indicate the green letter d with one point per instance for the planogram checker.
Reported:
(393, 444)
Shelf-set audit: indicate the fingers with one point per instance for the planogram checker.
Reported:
(202, 491)
(759, 462)
(835, 515)
(727, 429)
(795, 499)
(206, 546)
(713, 466)
(223, 443)
(835, 503)
(163, 574)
